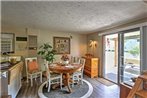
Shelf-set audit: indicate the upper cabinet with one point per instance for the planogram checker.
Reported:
(7, 42)
(32, 45)
(32, 42)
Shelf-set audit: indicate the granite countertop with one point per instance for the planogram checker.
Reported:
(7, 65)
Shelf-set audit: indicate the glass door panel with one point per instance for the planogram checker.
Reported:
(130, 56)
(111, 57)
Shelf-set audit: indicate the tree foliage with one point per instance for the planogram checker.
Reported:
(135, 50)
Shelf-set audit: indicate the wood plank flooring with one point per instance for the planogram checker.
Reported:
(99, 90)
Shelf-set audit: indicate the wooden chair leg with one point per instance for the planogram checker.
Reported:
(31, 80)
(35, 76)
(78, 78)
(49, 85)
(73, 81)
(82, 79)
(61, 82)
(27, 78)
(41, 77)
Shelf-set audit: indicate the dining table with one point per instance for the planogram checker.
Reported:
(66, 70)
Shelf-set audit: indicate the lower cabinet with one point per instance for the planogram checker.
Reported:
(14, 86)
(124, 90)
(14, 80)
(91, 67)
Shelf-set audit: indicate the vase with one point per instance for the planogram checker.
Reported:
(65, 62)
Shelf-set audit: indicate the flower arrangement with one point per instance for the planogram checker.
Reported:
(64, 57)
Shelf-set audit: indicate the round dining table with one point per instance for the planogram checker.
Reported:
(66, 70)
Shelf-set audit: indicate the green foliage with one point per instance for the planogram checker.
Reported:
(47, 52)
(135, 50)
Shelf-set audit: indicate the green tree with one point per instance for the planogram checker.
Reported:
(135, 50)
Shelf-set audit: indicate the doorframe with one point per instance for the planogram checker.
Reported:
(120, 51)
(141, 48)
(103, 58)
(119, 56)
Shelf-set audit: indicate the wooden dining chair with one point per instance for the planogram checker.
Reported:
(74, 60)
(52, 78)
(78, 75)
(32, 69)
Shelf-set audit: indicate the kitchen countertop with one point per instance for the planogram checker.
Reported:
(5, 66)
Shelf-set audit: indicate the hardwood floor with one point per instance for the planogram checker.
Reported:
(102, 91)
(99, 89)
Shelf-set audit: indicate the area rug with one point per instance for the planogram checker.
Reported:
(111, 76)
(105, 82)
(78, 91)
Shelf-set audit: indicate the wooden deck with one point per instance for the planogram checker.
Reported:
(99, 90)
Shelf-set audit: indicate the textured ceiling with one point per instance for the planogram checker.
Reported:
(74, 16)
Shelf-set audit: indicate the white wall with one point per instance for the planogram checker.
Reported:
(98, 51)
(78, 44)
(78, 41)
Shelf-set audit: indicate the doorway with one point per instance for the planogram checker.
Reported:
(122, 56)
(129, 55)
(111, 57)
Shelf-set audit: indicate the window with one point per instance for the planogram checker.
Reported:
(7, 43)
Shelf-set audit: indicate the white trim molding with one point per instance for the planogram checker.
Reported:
(122, 29)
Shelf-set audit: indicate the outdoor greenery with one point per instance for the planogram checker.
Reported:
(47, 52)
(134, 51)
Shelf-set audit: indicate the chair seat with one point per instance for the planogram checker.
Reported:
(52, 74)
(77, 73)
(55, 75)
(34, 71)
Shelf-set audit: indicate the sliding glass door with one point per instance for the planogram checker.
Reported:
(122, 56)
(111, 57)
(129, 55)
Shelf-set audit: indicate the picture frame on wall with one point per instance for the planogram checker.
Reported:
(61, 45)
